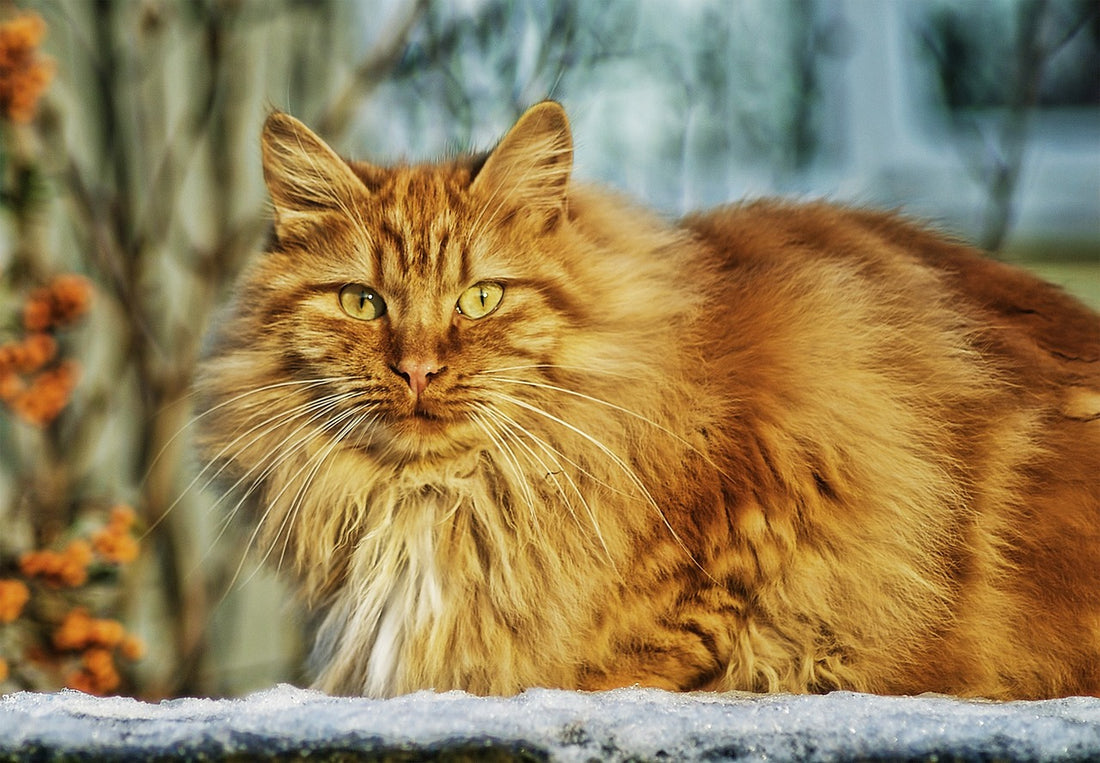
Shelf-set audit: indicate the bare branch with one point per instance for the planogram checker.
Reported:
(369, 73)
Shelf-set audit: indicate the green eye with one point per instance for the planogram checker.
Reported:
(480, 299)
(362, 302)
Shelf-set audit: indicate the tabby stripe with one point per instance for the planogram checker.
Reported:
(440, 250)
(396, 241)
(464, 263)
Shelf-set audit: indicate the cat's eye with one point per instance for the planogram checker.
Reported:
(362, 302)
(480, 299)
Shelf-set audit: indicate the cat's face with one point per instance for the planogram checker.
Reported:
(402, 292)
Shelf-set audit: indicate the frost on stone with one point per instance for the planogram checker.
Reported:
(627, 724)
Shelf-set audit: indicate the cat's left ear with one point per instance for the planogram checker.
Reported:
(531, 165)
(303, 175)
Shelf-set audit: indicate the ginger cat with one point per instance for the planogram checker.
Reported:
(507, 431)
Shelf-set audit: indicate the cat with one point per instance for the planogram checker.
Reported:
(505, 430)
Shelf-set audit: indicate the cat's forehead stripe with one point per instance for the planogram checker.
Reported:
(408, 243)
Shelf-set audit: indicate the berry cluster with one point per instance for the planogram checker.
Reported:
(67, 568)
(115, 542)
(96, 640)
(34, 384)
(23, 74)
(59, 635)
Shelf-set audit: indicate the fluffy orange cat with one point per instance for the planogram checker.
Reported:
(510, 431)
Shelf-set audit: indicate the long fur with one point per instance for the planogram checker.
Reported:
(773, 447)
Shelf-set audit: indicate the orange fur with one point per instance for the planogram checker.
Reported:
(775, 447)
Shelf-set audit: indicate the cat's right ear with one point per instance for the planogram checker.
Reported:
(303, 175)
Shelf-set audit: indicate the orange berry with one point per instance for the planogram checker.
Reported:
(97, 660)
(39, 349)
(31, 563)
(11, 386)
(123, 516)
(100, 667)
(67, 568)
(72, 575)
(13, 597)
(37, 312)
(73, 569)
(74, 631)
(126, 551)
(80, 551)
(17, 358)
(23, 75)
(70, 296)
(132, 647)
(116, 547)
(47, 395)
(107, 633)
(4, 671)
(108, 681)
(40, 563)
(81, 681)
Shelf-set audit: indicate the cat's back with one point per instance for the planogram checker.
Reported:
(905, 369)
(1035, 330)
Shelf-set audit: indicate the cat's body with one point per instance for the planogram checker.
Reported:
(776, 448)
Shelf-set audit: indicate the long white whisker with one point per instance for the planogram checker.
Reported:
(321, 405)
(308, 384)
(290, 481)
(556, 454)
(355, 417)
(621, 409)
(617, 460)
(510, 457)
(317, 410)
(508, 424)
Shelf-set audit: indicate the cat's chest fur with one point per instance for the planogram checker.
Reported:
(450, 574)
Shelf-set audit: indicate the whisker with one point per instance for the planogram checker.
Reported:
(322, 404)
(355, 418)
(508, 424)
(617, 460)
(510, 456)
(308, 384)
(542, 366)
(256, 475)
(312, 464)
(557, 455)
(621, 409)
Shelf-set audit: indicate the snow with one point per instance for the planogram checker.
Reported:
(627, 724)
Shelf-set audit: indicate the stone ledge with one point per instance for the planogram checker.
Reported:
(286, 723)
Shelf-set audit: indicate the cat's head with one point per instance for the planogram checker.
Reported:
(422, 311)
(390, 293)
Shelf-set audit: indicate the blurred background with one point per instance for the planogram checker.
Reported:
(131, 194)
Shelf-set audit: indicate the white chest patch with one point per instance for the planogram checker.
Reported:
(405, 593)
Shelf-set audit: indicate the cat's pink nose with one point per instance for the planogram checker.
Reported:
(418, 372)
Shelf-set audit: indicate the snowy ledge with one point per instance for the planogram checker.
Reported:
(630, 724)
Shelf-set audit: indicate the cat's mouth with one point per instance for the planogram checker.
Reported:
(427, 430)
(428, 419)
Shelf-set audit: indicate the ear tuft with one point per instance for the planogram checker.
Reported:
(532, 163)
(302, 173)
